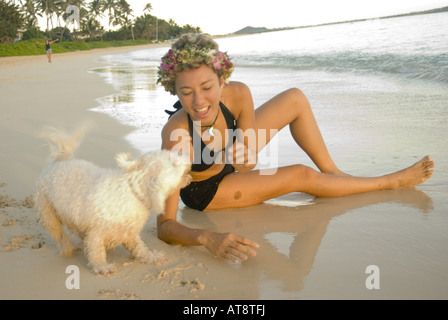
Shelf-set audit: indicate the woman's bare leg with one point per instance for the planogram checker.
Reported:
(246, 189)
(293, 108)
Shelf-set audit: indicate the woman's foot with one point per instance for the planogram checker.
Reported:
(413, 175)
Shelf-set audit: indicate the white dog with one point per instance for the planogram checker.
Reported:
(105, 207)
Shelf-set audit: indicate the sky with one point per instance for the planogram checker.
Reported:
(223, 17)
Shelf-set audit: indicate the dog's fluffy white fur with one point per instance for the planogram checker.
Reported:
(105, 207)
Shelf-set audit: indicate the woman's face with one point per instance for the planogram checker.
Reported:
(199, 91)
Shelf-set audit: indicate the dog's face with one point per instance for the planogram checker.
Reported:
(181, 167)
(164, 169)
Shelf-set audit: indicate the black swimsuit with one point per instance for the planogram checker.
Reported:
(198, 194)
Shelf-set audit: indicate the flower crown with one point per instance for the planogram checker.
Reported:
(189, 57)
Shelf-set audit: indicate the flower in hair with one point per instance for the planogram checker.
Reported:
(190, 57)
(217, 60)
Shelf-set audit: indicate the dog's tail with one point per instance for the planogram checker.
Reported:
(63, 144)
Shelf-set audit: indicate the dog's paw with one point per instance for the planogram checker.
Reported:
(154, 257)
(67, 251)
(104, 269)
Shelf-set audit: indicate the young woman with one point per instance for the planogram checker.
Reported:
(48, 47)
(209, 109)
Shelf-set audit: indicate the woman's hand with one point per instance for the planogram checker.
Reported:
(229, 246)
(241, 157)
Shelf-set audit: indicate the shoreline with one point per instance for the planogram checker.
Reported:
(17, 60)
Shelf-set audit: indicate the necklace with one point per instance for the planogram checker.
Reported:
(210, 127)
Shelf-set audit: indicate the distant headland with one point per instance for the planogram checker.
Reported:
(249, 29)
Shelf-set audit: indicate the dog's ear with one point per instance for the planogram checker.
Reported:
(125, 161)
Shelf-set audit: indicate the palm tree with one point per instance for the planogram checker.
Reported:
(68, 17)
(126, 10)
(82, 11)
(173, 29)
(96, 8)
(148, 7)
(47, 7)
(29, 7)
(110, 5)
(190, 29)
(59, 9)
(143, 26)
(124, 7)
(118, 18)
(92, 27)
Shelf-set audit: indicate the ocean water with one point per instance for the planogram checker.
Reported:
(384, 56)
(379, 91)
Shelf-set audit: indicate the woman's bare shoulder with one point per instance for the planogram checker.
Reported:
(237, 88)
(237, 97)
(178, 121)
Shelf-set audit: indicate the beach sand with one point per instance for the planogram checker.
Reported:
(319, 249)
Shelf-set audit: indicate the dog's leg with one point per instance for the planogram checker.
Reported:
(50, 220)
(96, 255)
(140, 252)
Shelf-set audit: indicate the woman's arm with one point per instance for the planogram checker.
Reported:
(170, 231)
(225, 245)
(244, 152)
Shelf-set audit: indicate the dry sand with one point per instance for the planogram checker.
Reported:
(35, 93)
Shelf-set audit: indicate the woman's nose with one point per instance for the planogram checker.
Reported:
(199, 100)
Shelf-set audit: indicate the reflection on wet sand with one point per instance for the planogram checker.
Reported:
(290, 236)
(139, 102)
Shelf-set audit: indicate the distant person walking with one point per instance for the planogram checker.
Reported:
(47, 47)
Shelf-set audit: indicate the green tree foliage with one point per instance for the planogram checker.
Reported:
(33, 33)
(121, 23)
(11, 20)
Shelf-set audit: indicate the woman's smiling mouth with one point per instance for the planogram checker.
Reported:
(203, 112)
